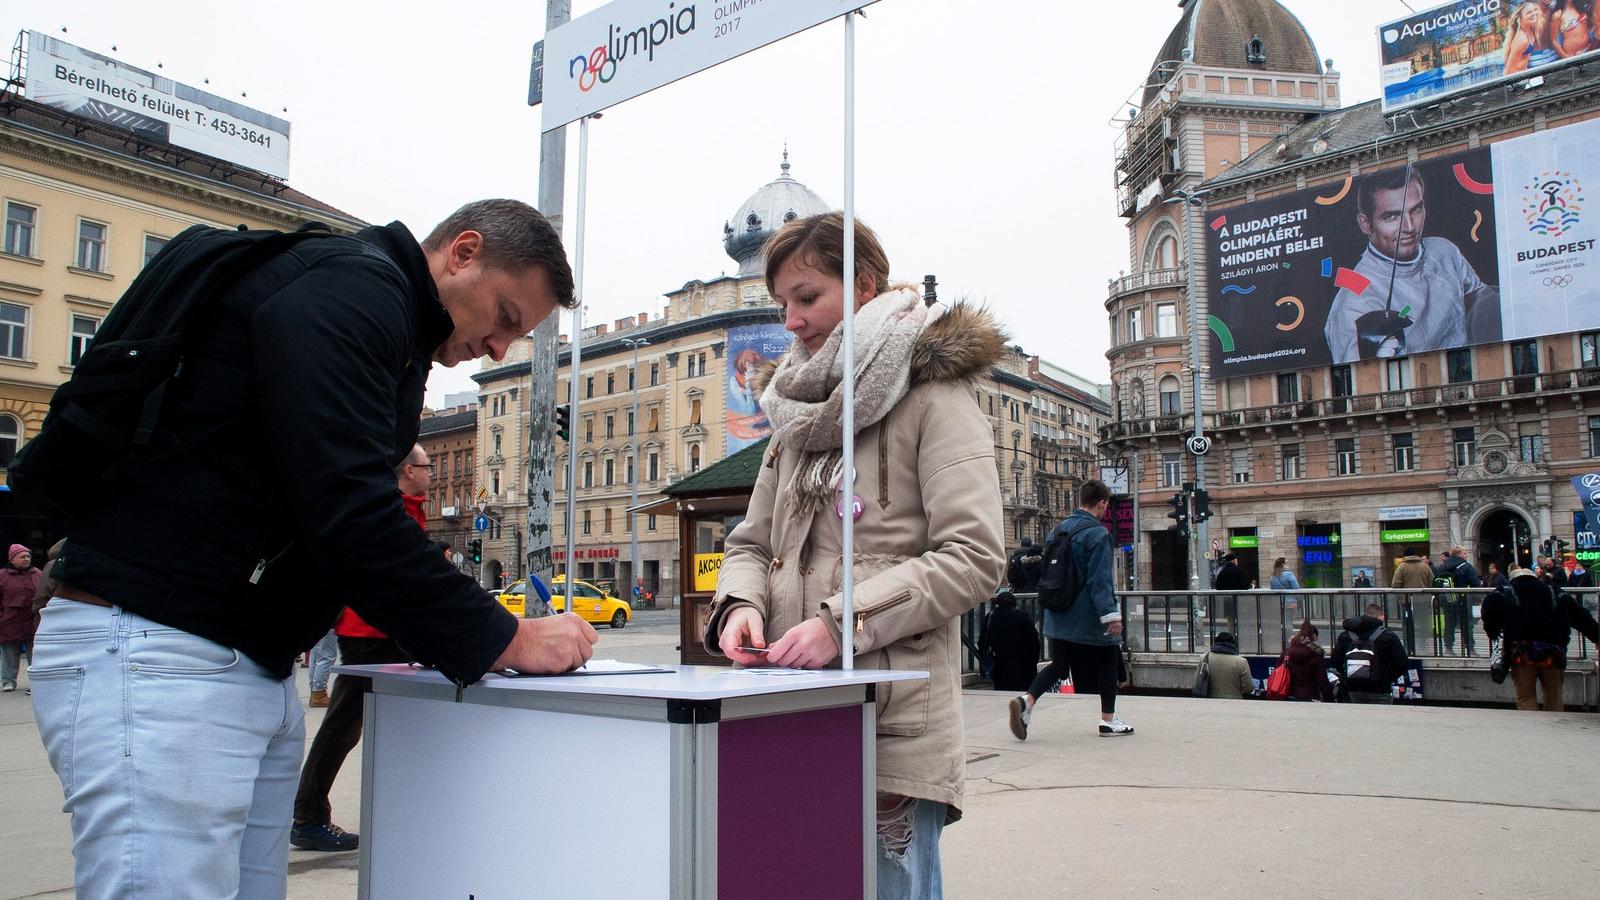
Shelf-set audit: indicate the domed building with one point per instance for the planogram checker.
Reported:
(781, 200)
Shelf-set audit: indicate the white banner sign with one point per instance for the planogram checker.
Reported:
(97, 87)
(629, 47)
(1549, 267)
(1401, 513)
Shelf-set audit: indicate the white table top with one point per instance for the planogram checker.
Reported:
(679, 683)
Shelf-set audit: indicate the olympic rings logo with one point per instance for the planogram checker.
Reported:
(1558, 281)
(597, 68)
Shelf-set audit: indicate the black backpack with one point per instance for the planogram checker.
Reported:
(1060, 582)
(1361, 661)
(103, 420)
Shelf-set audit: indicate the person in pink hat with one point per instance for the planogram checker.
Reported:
(18, 580)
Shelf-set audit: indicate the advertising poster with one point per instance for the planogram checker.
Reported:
(98, 87)
(1395, 262)
(1550, 271)
(750, 346)
(1469, 43)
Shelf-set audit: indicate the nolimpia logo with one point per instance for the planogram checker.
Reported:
(599, 66)
(1390, 35)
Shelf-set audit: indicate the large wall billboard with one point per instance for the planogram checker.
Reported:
(98, 87)
(1486, 245)
(1469, 43)
(749, 346)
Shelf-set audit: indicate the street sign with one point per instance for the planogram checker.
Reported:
(629, 47)
(1198, 444)
(481, 523)
(536, 75)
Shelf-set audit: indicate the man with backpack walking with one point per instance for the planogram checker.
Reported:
(1082, 618)
(1369, 657)
(239, 457)
(1456, 617)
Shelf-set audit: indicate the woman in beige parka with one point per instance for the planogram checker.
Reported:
(928, 534)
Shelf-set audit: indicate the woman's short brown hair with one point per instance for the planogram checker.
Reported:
(819, 242)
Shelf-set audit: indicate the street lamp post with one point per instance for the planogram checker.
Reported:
(633, 480)
(1193, 202)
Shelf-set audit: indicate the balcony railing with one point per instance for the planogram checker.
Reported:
(1144, 281)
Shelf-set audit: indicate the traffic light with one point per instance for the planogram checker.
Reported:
(1179, 515)
(1544, 548)
(564, 421)
(475, 551)
(1202, 506)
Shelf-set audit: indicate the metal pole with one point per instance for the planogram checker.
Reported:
(1191, 204)
(1133, 488)
(541, 481)
(847, 474)
(577, 351)
(633, 435)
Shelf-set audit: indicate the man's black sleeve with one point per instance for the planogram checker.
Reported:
(1578, 617)
(330, 349)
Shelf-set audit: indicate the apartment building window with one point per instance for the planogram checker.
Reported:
(1171, 469)
(1464, 443)
(1239, 463)
(703, 364)
(1525, 357)
(630, 470)
(694, 411)
(611, 425)
(611, 383)
(631, 374)
(587, 527)
(1166, 320)
(655, 418)
(11, 438)
(588, 474)
(1343, 381)
(91, 246)
(589, 388)
(1289, 387)
(630, 423)
(83, 329)
(694, 458)
(152, 246)
(1290, 467)
(1594, 436)
(690, 370)
(606, 520)
(1397, 373)
(1405, 452)
(1135, 325)
(1589, 349)
(1530, 446)
(588, 429)
(653, 467)
(494, 482)
(610, 472)
(1344, 456)
(655, 374)
(1171, 397)
(20, 221)
(1458, 365)
(13, 330)
(650, 522)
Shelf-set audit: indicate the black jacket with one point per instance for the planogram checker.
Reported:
(1231, 578)
(1529, 611)
(1460, 572)
(1010, 635)
(301, 392)
(1390, 652)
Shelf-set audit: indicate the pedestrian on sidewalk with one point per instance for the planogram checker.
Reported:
(323, 654)
(1534, 624)
(1229, 672)
(1368, 657)
(925, 497)
(1022, 571)
(224, 560)
(1085, 639)
(18, 582)
(1308, 666)
(359, 645)
(1011, 642)
(1230, 578)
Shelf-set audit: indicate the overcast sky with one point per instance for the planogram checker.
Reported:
(984, 132)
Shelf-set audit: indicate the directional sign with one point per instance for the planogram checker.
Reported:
(481, 523)
(1198, 444)
(629, 47)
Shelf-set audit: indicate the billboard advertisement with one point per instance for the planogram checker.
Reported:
(1485, 245)
(98, 87)
(750, 346)
(1470, 43)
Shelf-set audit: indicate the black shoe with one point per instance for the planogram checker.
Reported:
(322, 836)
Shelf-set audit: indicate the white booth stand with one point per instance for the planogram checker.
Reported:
(698, 782)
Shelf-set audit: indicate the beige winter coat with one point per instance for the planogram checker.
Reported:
(1414, 572)
(928, 548)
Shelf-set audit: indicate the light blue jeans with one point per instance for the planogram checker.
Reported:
(178, 757)
(908, 849)
(323, 655)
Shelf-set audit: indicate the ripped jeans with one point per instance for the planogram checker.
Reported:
(908, 848)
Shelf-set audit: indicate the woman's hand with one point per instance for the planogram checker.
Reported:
(809, 645)
(743, 628)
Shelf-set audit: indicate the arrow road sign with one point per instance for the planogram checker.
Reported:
(481, 523)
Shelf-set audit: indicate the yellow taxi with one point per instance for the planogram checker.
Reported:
(590, 602)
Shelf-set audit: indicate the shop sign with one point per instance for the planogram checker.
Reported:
(589, 553)
(1318, 540)
(706, 568)
(1403, 536)
(1401, 513)
(1243, 542)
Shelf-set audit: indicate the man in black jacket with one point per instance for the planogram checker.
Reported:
(1457, 607)
(1230, 578)
(206, 569)
(1535, 625)
(1369, 657)
(1023, 569)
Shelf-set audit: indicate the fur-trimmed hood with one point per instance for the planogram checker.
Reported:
(964, 342)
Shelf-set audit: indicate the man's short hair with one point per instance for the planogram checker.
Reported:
(1375, 611)
(515, 237)
(1387, 180)
(1095, 492)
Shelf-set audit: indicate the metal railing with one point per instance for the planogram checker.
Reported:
(1143, 281)
(1432, 624)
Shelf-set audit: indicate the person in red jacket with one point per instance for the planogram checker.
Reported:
(359, 644)
(18, 581)
(1308, 666)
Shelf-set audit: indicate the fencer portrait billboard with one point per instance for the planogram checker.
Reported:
(1490, 244)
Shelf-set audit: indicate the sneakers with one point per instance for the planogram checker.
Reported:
(1021, 714)
(319, 699)
(1114, 727)
(322, 836)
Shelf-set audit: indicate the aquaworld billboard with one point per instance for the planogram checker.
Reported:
(1467, 44)
(1490, 244)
